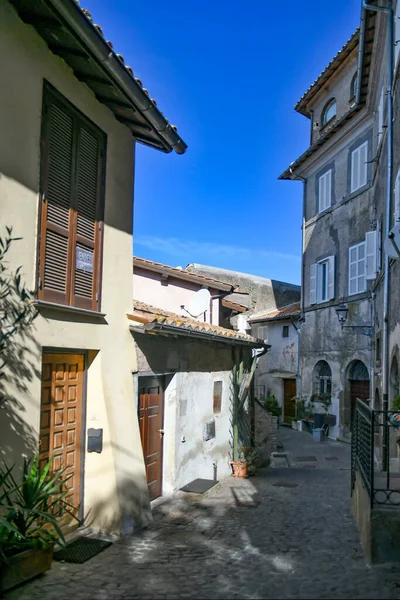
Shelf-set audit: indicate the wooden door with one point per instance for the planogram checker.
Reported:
(151, 419)
(289, 406)
(61, 420)
(358, 389)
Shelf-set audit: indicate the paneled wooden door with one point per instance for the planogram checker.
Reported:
(289, 407)
(61, 421)
(151, 420)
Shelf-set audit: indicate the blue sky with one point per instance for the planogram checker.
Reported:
(228, 74)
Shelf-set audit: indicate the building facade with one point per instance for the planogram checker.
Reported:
(67, 152)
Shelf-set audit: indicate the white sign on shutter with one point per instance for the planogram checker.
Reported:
(313, 283)
(371, 247)
(331, 278)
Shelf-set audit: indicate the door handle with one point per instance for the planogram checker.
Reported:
(161, 432)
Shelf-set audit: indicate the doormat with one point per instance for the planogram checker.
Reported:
(199, 486)
(81, 550)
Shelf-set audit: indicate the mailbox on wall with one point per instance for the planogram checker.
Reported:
(95, 440)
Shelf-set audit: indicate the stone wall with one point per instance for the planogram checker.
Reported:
(265, 432)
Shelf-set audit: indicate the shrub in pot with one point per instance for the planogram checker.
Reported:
(28, 520)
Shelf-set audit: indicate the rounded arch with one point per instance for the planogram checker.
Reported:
(322, 379)
(357, 371)
(353, 86)
(328, 112)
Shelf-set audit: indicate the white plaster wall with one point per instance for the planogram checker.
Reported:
(115, 485)
(148, 288)
(188, 406)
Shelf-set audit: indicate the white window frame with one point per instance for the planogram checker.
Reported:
(322, 280)
(325, 190)
(360, 269)
(359, 167)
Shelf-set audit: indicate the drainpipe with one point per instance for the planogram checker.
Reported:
(389, 141)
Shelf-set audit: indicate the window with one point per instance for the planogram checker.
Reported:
(329, 112)
(358, 167)
(72, 191)
(396, 33)
(378, 348)
(263, 333)
(285, 331)
(325, 191)
(322, 280)
(217, 397)
(357, 269)
(353, 87)
(322, 379)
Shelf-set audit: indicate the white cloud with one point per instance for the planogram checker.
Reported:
(193, 249)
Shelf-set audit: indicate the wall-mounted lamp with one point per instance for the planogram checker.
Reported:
(342, 312)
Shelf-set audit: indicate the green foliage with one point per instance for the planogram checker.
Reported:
(272, 405)
(16, 308)
(300, 402)
(29, 509)
(324, 399)
(251, 457)
(396, 403)
(309, 409)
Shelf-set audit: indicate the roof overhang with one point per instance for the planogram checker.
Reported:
(70, 34)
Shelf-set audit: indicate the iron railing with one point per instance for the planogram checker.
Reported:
(371, 431)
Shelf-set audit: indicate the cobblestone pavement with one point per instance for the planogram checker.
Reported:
(287, 533)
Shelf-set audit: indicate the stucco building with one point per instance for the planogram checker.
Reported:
(70, 114)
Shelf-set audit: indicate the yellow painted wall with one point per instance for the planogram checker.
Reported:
(115, 487)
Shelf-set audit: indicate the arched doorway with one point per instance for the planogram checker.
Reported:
(358, 380)
(393, 381)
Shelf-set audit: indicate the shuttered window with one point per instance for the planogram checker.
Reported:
(322, 280)
(325, 191)
(359, 158)
(72, 192)
(357, 269)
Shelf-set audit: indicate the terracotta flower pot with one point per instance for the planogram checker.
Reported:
(239, 468)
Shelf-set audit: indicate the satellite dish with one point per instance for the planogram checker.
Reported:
(392, 243)
(199, 303)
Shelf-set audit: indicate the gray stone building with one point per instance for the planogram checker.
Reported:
(341, 233)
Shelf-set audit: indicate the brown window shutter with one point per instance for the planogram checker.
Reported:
(57, 178)
(88, 216)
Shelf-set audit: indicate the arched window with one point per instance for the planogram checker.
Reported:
(329, 112)
(353, 86)
(322, 379)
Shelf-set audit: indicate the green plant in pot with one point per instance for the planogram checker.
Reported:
(28, 520)
(272, 405)
(396, 403)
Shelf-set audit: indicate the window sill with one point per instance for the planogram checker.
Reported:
(43, 305)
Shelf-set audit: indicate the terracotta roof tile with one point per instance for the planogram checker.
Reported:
(290, 310)
(147, 314)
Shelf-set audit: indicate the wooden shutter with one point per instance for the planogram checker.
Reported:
(380, 118)
(359, 167)
(371, 253)
(57, 178)
(363, 164)
(73, 153)
(85, 292)
(313, 283)
(331, 277)
(325, 187)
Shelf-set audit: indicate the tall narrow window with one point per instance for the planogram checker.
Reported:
(72, 192)
(325, 191)
(358, 167)
(322, 280)
(285, 331)
(353, 87)
(357, 269)
(329, 112)
(380, 118)
(217, 397)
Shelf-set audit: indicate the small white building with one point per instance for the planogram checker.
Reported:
(277, 371)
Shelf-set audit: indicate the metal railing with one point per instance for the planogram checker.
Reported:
(371, 431)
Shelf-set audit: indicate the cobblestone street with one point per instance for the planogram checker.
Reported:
(287, 533)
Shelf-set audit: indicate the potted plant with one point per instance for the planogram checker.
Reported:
(239, 466)
(247, 463)
(272, 405)
(308, 418)
(299, 412)
(28, 521)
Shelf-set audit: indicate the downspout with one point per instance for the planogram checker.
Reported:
(389, 141)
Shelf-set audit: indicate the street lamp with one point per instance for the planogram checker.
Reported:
(342, 312)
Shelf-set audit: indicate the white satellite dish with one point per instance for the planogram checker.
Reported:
(392, 243)
(199, 303)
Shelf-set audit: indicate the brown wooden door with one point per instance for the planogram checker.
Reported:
(61, 419)
(151, 419)
(289, 407)
(358, 389)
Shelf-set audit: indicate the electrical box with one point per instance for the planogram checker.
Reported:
(95, 440)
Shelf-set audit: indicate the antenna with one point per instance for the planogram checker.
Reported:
(199, 303)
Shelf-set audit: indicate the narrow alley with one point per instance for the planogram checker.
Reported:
(286, 533)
